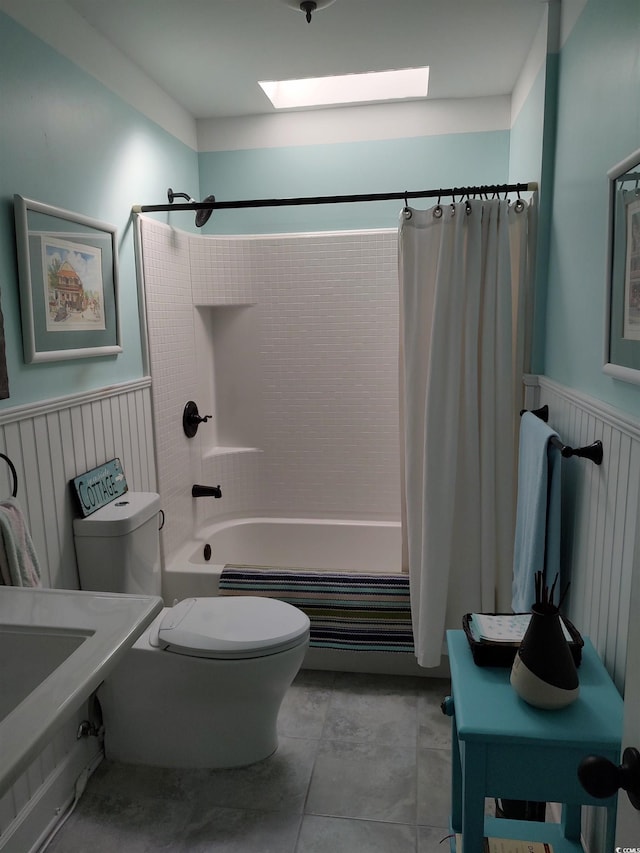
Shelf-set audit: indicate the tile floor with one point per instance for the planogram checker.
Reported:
(363, 766)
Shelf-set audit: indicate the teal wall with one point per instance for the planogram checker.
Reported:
(598, 126)
(458, 159)
(68, 141)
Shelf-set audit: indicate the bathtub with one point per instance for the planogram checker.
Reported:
(314, 544)
(300, 543)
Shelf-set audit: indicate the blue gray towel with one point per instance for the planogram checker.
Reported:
(537, 536)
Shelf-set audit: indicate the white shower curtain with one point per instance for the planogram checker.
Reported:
(464, 270)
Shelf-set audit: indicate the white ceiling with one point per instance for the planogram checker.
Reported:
(209, 54)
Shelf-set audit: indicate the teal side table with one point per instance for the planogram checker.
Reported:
(503, 747)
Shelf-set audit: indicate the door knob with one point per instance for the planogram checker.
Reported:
(601, 778)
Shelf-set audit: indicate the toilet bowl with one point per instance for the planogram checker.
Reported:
(202, 686)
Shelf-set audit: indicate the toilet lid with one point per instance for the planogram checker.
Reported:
(232, 627)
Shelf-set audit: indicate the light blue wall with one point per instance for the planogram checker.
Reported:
(68, 141)
(341, 169)
(598, 126)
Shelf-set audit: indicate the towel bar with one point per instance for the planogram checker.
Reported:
(14, 474)
(594, 451)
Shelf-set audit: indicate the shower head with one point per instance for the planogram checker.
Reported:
(202, 216)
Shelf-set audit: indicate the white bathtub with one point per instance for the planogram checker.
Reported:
(314, 544)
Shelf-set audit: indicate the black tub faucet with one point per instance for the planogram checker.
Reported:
(206, 491)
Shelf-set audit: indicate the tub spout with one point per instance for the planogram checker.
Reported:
(206, 491)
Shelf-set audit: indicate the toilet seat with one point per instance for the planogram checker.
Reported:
(232, 627)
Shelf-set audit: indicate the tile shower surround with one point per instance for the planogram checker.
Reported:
(327, 441)
(363, 766)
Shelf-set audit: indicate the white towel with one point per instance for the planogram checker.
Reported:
(537, 536)
(18, 559)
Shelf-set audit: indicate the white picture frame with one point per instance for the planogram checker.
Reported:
(68, 272)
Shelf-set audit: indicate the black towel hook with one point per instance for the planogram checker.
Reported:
(14, 474)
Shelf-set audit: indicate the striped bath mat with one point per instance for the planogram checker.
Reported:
(354, 612)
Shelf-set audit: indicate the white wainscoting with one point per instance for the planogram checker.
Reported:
(41, 796)
(599, 530)
(50, 443)
(599, 517)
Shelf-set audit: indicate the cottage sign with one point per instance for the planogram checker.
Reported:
(98, 487)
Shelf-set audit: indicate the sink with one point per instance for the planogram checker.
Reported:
(56, 647)
(44, 651)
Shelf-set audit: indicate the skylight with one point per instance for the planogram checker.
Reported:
(375, 86)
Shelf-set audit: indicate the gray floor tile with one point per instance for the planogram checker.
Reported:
(304, 709)
(278, 783)
(363, 765)
(107, 823)
(434, 728)
(430, 840)
(128, 781)
(342, 835)
(373, 709)
(434, 787)
(369, 781)
(240, 831)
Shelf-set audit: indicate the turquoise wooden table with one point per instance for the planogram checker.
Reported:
(503, 747)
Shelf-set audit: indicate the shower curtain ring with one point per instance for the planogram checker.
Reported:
(437, 210)
(519, 205)
(407, 212)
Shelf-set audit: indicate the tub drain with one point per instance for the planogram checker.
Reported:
(207, 552)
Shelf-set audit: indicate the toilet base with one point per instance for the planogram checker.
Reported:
(172, 710)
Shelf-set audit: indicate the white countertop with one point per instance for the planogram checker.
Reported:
(111, 624)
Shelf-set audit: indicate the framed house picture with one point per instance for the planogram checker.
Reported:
(68, 270)
(622, 314)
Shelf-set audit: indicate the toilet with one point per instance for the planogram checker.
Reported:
(202, 686)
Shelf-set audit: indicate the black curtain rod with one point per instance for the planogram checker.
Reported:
(463, 192)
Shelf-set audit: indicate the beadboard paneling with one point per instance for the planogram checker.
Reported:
(599, 518)
(53, 442)
(33, 805)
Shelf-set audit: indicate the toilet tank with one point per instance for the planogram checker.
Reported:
(118, 546)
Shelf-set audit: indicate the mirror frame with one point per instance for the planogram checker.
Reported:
(621, 352)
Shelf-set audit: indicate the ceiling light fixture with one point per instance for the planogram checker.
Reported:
(308, 6)
(375, 86)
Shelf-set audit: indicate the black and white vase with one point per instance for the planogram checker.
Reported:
(544, 673)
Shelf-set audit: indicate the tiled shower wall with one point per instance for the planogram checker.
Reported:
(291, 342)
